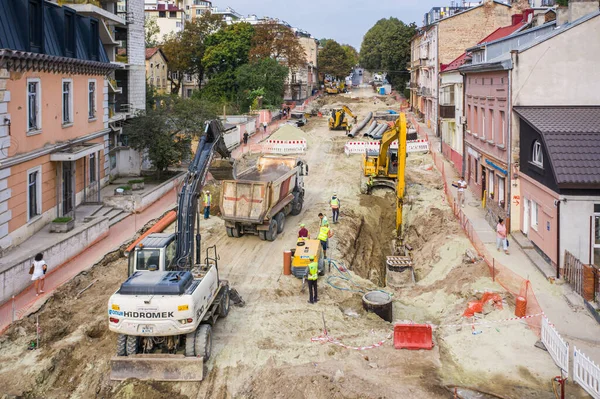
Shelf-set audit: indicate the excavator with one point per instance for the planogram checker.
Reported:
(163, 314)
(339, 118)
(385, 167)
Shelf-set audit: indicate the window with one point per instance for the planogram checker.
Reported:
(34, 193)
(534, 215)
(475, 121)
(596, 232)
(490, 183)
(162, 14)
(492, 133)
(198, 12)
(94, 38)
(67, 101)
(172, 14)
(537, 157)
(91, 99)
(92, 168)
(483, 126)
(35, 25)
(34, 108)
(178, 25)
(69, 34)
(503, 127)
(189, 93)
(501, 183)
(170, 252)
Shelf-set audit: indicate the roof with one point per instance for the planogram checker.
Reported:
(571, 135)
(468, 10)
(150, 51)
(495, 35)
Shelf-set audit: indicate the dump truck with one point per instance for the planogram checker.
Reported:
(258, 201)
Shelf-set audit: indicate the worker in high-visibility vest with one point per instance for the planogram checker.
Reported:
(335, 207)
(206, 202)
(313, 275)
(325, 234)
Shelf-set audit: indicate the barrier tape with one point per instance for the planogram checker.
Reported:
(325, 338)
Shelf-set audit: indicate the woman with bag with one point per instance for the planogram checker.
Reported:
(38, 273)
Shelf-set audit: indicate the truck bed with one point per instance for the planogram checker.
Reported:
(268, 173)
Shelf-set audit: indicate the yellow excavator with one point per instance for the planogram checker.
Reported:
(339, 118)
(385, 167)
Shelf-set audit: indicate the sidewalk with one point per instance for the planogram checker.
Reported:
(575, 325)
(119, 233)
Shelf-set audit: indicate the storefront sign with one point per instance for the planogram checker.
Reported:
(493, 165)
(473, 153)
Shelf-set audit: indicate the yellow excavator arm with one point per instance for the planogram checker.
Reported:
(400, 183)
(348, 111)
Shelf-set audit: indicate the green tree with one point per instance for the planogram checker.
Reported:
(351, 53)
(228, 48)
(386, 47)
(165, 131)
(264, 78)
(334, 60)
(151, 32)
(185, 49)
(323, 42)
(274, 40)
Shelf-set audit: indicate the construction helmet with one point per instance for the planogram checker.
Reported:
(302, 225)
(311, 257)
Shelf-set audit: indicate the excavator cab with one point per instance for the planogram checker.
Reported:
(155, 253)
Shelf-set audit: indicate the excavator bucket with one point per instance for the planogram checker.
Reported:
(222, 169)
(157, 367)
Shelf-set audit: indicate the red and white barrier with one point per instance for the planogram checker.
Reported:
(287, 142)
(283, 148)
(359, 147)
(556, 346)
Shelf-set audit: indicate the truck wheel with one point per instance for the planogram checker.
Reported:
(229, 231)
(131, 346)
(204, 341)
(224, 308)
(121, 345)
(280, 218)
(297, 205)
(272, 233)
(262, 234)
(238, 231)
(190, 344)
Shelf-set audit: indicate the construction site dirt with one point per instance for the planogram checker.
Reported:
(264, 350)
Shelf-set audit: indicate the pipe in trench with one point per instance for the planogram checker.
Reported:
(361, 125)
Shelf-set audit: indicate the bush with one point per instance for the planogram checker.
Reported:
(63, 219)
(136, 181)
(125, 188)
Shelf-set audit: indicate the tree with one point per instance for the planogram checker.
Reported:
(323, 42)
(228, 48)
(185, 49)
(166, 131)
(351, 53)
(334, 60)
(264, 78)
(386, 47)
(274, 40)
(151, 32)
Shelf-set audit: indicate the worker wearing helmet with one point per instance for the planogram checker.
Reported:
(335, 207)
(325, 234)
(303, 232)
(206, 202)
(313, 275)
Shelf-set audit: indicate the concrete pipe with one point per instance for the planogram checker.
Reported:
(379, 303)
(371, 128)
(378, 134)
(361, 125)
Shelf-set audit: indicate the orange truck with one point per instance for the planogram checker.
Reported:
(261, 197)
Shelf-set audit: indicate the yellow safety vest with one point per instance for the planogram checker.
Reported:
(323, 233)
(324, 221)
(335, 203)
(207, 199)
(313, 270)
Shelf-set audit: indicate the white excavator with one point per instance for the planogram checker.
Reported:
(164, 312)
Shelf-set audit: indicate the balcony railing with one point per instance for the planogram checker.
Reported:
(447, 111)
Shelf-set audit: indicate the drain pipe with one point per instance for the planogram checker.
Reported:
(509, 146)
(558, 238)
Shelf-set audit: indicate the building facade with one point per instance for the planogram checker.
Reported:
(303, 81)
(53, 115)
(157, 70)
(169, 17)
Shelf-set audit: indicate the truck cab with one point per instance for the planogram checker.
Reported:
(154, 253)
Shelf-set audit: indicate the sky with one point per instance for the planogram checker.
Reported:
(345, 21)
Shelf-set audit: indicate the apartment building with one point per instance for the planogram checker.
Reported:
(54, 120)
(170, 17)
(157, 70)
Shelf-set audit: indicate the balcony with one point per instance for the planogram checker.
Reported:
(447, 111)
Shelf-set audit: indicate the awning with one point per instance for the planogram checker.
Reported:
(76, 152)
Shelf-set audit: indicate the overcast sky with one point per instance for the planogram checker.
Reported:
(345, 21)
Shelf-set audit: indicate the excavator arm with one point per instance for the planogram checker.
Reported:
(348, 111)
(400, 183)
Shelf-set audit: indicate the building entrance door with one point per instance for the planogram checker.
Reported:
(67, 187)
(483, 182)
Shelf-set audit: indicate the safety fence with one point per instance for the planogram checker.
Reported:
(283, 148)
(581, 277)
(586, 373)
(359, 147)
(556, 346)
(287, 142)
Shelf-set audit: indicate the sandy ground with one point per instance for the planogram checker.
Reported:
(264, 349)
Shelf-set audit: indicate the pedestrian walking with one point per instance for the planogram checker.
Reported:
(207, 202)
(38, 273)
(303, 232)
(325, 234)
(265, 126)
(313, 276)
(501, 240)
(461, 185)
(335, 207)
(246, 135)
(324, 221)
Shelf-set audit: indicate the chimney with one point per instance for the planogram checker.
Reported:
(581, 8)
(517, 19)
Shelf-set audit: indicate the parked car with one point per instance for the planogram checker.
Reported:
(298, 119)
